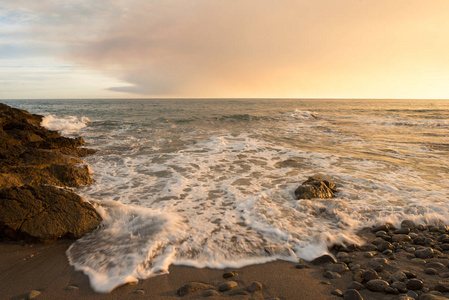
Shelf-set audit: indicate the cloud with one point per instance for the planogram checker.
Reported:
(233, 48)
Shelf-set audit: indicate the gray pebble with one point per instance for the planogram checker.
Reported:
(408, 224)
(358, 275)
(331, 275)
(401, 238)
(404, 230)
(397, 276)
(338, 267)
(391, 290)
(435, 265)
(352, 295)
(337, 292)
(193, 287)
(400, 286)
(430, 271)
(384, 246)
(377, 285)
(412, 294)
(415, 284)
(226, 286)
(424, 253)
(254, 287)
(369, 275)
(354, 266)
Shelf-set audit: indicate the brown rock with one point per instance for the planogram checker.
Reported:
(315, 187)
(193, 287)
(44, 213)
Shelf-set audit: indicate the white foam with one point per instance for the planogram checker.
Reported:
(301, 114)
(65, 125)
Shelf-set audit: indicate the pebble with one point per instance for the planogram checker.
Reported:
(33, 294)
(354, 266)
(431, 297)
(210, 293)
(408, 224)
(226, 286)
(398, 276)
(370, 254)
(391, 290)
(442, 287)
(435, 265)
(229, 274)
(430, 271)
(338, 267)
(72, 288)
(370, 275)
(139, 292)
(323, 259)
(331, 275)
(193, 287)
(401, 238)
(412, 294)
(444, 275)
(404, 230)
(337, 292)
(405, 297)
(424, 253)
(377, 285)
(254, 287)
(369, 247)
(324, 282)
(341, 255)
(418, 261)
(409, 274)
(358, 275)
(352, 295)
(415, 284)
(400, 286)
(301, 266)
(384, 246)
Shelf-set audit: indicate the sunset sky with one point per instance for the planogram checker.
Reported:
(204, 48)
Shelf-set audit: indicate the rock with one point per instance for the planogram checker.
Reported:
(391, 290)
(139, 292)
(431, 297)
(398, 276)
(331, 275)
(323, 259)
(315, 187)
(229, 274)
(377, 285)
(412, 294)
(404, 230)
(337, 292)
(400, 286)
(384, 227)
(354, 285)
(301, 266)
(384, 246)
(442, 287)
(254, 287)
(401, 238)
(369, 247)
(72, 288)
(239, 293)
(342, 255)
(33, 294)
(226, 286)
(430, 271)
(424, 253)
(352, 295)
(408, 224)
(192, 288)
(44, 213)
(358, 275)
(338, 267)
(415, 284)
(409, 274)
(210, 293)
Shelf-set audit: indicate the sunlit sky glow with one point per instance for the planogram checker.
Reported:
(204, 48)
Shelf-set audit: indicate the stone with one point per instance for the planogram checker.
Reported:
(301, 266)
(370, 254)
(400, 286)
(331, 275)
(44, 214)
(430, 271)
(210, 293)
(377, 285)
(409, 274)
(415, 284)
(412, 294)
(354, 285)
(397, 276)
(315, 187)
(33, 294)
(442, 287)
(384, 246)
(72, 288)
(254, 287)
(404, 230)
(139, 292)
(424, 253)
(352, 295)
(408, 224)
(192, 288)
(401, 238)
(342, 255)
(323, 259)
(369, 247)
(226, 286)
(358, 275)
(337, 293)
(338, 267)
(431, 296)
(391, 290)
(229, 274)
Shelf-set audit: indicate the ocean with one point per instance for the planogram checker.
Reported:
(210, 182)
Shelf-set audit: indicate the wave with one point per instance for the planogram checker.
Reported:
(65, 125)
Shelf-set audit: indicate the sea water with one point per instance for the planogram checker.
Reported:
(210, 182)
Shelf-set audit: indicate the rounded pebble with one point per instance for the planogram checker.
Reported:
(33, 294)
(210, 293)
(254, 287)
(337, 292)
(415, 284)
(226, 286)
(352, 295)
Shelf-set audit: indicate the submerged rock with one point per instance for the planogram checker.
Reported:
(315, 187)
(44, 214)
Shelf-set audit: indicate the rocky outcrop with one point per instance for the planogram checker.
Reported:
(315, 187)
(33, 160)
(33, 155)
(44, 214)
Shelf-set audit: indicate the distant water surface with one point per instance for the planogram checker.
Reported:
(210, 182)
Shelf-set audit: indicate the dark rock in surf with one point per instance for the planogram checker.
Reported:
(44, 214)
(315, 187)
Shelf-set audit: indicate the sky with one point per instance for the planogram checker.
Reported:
(224, 49)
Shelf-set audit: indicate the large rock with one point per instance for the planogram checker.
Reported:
(33, 155)
(44, 214)
(315, 187)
